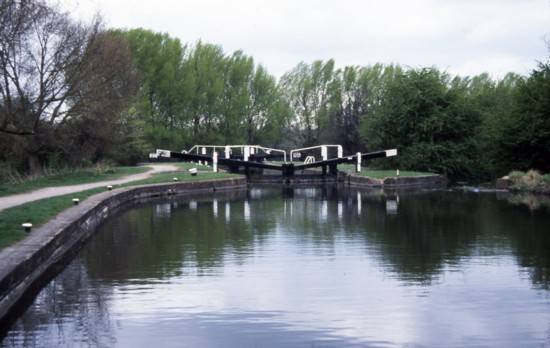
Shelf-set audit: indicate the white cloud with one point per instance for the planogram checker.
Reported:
(462, 36)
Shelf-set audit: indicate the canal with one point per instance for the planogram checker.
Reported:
(304, 267)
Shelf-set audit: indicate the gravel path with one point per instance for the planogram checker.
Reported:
(22, 198)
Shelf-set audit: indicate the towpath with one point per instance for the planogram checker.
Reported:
(22, 198)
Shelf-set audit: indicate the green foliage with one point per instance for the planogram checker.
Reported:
(524, 137)
(428, 119)
(198, 94)
(516, 175)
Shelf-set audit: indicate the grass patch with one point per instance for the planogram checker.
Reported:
(381, 174)
(37, 213)
(182, 177)
(82, 176)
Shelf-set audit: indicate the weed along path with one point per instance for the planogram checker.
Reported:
(22, 198)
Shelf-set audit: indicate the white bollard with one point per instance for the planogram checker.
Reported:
(27, 226)
(358, 167)
(340, 151)
(215, 162)
(397, 172)
(203, 150)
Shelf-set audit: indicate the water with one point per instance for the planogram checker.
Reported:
(305, 268)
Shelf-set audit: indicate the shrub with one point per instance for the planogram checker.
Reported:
(515, 176)
(104, 167)
(530, 181)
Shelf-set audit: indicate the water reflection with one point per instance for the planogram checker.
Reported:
(305, 267)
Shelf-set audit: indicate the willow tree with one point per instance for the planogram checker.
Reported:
(306, 90)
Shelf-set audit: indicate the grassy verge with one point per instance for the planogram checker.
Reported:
(37, 213)
(182, 177)
(82, 176)
(41, 211)
(381, 174)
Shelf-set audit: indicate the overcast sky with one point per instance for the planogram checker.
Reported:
(462, 36)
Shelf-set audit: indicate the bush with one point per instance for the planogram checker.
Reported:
(530, 181)
(104, 167)
(516, 175)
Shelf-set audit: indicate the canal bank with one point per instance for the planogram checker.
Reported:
(25, 263)
(29, 261)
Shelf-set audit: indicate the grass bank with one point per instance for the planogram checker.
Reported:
(41, 211)
(381, 174)
(80, 176)
(37, 213)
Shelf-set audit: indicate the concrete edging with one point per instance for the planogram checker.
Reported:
(26, 262)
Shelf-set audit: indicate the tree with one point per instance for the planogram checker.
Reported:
(51, 70)
(429, 121)
(305, 89)
(524, 138)
(353, 94)
(162, 100)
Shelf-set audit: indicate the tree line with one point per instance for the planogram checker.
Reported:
(74, 93)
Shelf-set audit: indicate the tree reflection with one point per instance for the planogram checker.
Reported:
(78, 307)
(424, 232)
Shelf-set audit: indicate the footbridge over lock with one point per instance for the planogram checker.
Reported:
(255, 160)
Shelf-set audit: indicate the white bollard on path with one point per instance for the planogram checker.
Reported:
(358, 167)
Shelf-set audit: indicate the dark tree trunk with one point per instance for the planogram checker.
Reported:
(35, 168)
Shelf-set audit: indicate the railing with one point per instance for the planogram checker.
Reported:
(324, 151)
(246, 150)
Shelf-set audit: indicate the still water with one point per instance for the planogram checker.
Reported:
(313, 267)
